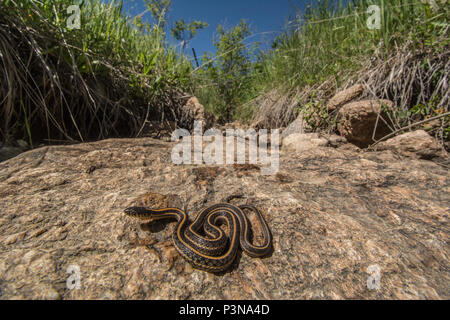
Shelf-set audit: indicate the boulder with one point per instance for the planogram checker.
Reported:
(415, 144)
(344, 97)
(357, 121)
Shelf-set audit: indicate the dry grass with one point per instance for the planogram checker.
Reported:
(278, 108)
(415, 80)
(406, 61)
(105, 80)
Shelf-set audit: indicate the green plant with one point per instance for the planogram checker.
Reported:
(105, 79)
(330, 45)
(227, 76)
(315, 114)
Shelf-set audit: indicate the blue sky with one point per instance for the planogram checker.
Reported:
(263, 16)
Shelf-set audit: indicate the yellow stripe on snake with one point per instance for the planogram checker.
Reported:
(216, 251)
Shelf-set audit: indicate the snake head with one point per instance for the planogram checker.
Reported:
(139, 213)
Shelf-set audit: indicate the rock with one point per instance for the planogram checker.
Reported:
(192, 111)
(357, 120)
(416, 144)
(336, 141)
(303, 141)
(344, 97)
(334, 215)
(297, 126)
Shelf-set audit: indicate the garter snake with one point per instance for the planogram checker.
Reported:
(214, 251)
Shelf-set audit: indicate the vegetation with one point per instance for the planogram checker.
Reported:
(224, 82)
(113, 75)
(106, 79)
(331, 46)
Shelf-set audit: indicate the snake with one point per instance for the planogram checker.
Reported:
(213, 250)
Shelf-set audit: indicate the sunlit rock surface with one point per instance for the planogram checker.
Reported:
(335, 213)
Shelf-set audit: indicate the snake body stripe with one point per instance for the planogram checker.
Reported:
(216, 251)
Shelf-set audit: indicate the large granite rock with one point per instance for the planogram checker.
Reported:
(337, 217)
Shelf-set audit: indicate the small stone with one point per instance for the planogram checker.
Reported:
(332, 213)
(336, 141)
(192, 111)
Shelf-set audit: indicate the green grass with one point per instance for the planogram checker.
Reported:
(112, 76)
(336, 42)
(332, 45)
(102, 80)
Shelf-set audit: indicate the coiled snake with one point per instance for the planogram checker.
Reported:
(216, 251)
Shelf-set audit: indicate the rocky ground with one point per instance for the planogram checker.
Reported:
(337, 214)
